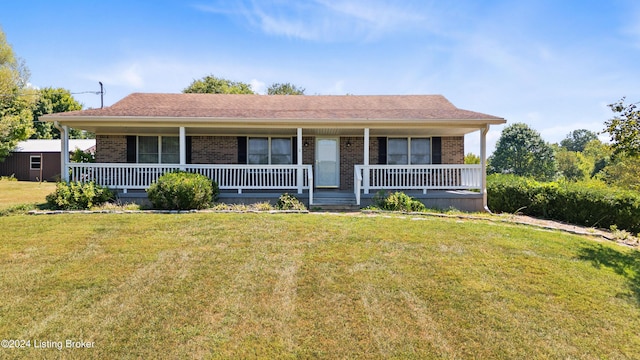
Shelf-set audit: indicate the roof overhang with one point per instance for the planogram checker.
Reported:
(130, 125)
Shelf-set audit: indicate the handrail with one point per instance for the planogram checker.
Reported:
(357, 183)
(310, 184)
(228, 176)
(418, 177)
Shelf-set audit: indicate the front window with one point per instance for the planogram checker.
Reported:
(281, 151)
(398, 153)
(420, 151)
(404, 151)
(269, 151)
(258, 151)
(158, 149)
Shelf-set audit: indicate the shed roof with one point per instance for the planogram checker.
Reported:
(54, 145)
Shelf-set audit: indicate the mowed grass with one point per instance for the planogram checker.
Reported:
(14, 193)
(209, 285)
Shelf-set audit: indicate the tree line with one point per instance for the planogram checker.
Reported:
(580, 156)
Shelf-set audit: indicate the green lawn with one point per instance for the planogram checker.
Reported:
(209, 285)
(14, 193)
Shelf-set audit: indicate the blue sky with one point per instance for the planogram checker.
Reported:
(552, 64)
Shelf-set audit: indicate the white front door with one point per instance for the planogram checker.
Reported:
(327, 172)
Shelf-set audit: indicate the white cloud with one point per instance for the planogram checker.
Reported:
(258, 86)
(322, 20)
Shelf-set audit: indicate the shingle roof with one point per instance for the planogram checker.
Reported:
(306, 107)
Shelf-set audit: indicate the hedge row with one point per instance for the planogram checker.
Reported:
(586, 203)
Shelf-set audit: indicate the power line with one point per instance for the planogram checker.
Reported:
(100, 92)
(58, 92)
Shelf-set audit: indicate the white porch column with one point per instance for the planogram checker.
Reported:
(300, 175)
(483, 162)
(64, 158)
(365, 178)
(183, 148)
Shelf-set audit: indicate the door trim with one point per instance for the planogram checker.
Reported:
(337, 161)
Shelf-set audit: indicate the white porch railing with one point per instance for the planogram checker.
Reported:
(416, 177)
(228, 177)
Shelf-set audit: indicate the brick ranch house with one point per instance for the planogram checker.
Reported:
(325, 149)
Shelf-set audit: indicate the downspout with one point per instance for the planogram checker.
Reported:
(483, 162)
(64, 151)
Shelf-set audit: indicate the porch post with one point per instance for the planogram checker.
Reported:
(64, 156)
(483, 162)
(300, 175)
(365, 178)
(183, 148)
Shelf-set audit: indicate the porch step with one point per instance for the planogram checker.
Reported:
(341, 203)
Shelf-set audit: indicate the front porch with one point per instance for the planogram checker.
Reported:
(433, 184)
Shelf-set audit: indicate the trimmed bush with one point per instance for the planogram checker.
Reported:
(588, 203)
(397, 201)
(182, 191)
(289, 202)
(78, 196)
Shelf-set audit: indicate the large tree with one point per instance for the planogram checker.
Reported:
(578, 139)
(53, 101)
(624, 128)
(16, 99)
(213, 85)
(285, 89)
(521, 151)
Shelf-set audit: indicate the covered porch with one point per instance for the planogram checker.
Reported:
(307, 145)
(426, 181)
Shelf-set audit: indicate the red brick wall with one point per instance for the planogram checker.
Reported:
(453, 150)
(309, 151)
(214, 150)
(111, 148)
(350, 156)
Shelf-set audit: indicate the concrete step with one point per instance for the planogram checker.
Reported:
(337, 208)
(334, 203)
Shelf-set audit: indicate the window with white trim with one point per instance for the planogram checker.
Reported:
(264, 150)
(158, 149)
(405, 151)
(35, 162)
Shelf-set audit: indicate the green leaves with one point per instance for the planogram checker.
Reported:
(15, 100)
(182, 191)
(521, 151)
(624, 128)
(78, 196)
(213, 85)
(284, 89)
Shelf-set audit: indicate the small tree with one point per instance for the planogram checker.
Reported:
(284, 89)
(52, 101)
(521, 151)
(213, 85)
(577, 140)
(624, 128)
(80, 156)
(471, 158)
(572, 165)
(16, 99)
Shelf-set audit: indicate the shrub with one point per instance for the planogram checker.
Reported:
(289, 202)
(182, 191)
(588, 203)
(397, 201)
(78, 196)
